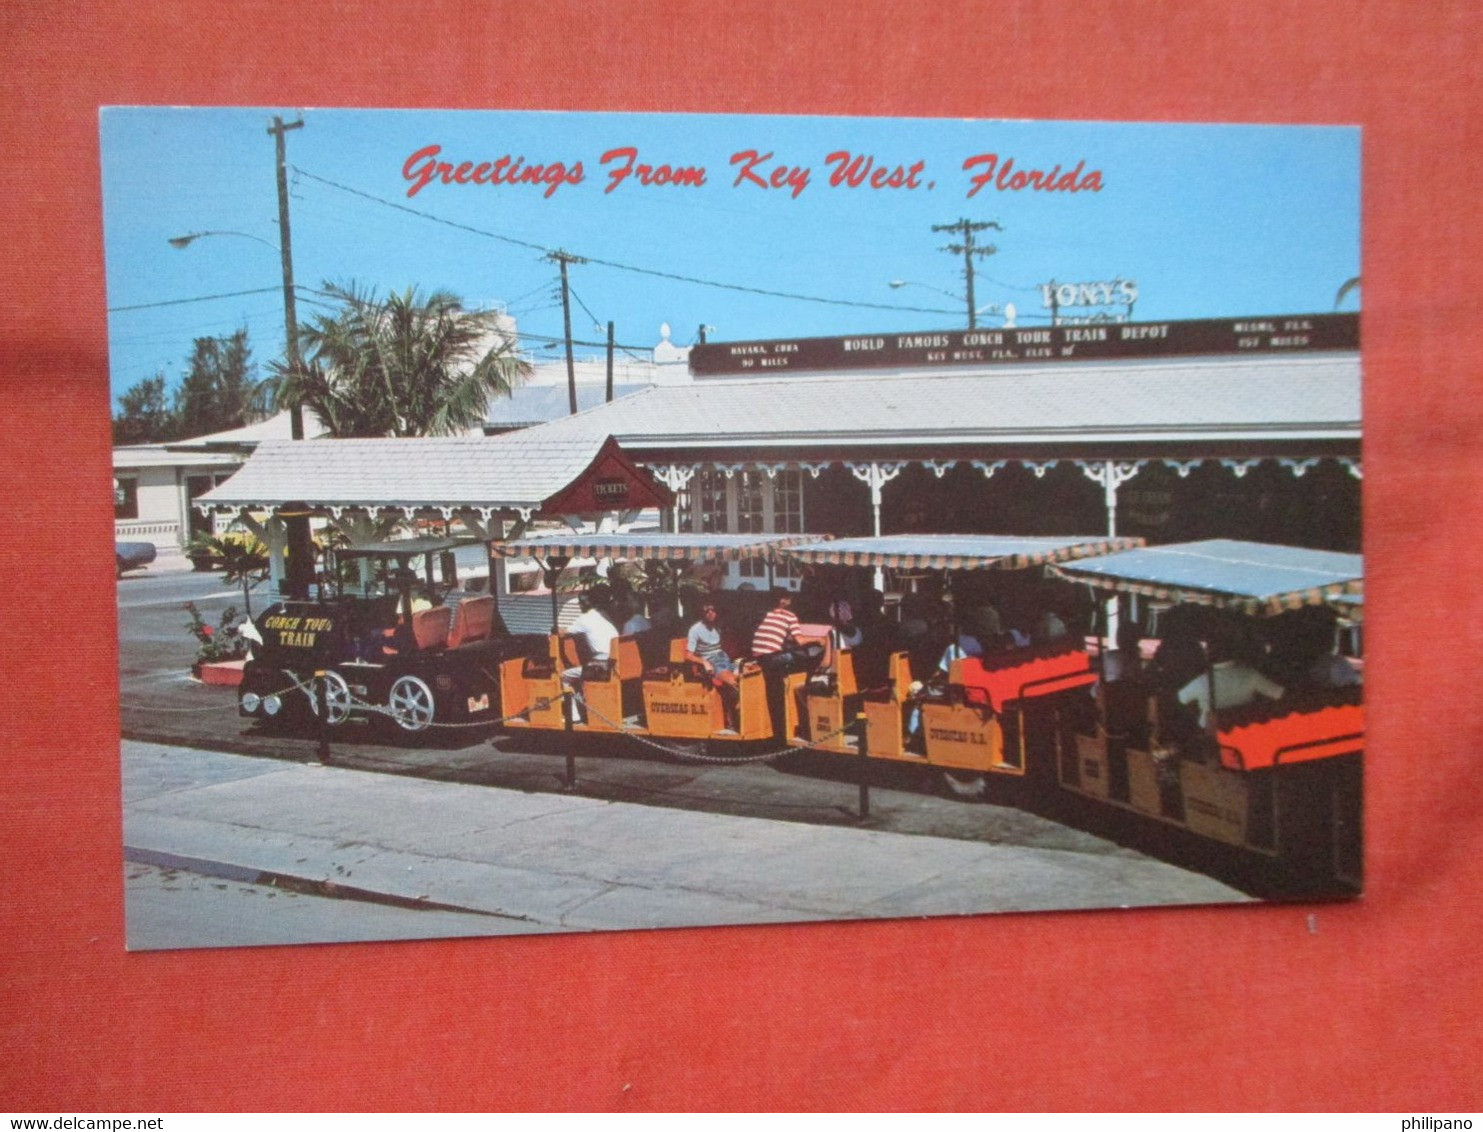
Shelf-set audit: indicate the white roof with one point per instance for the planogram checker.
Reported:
(1207, 399)
(215, 449)
(534, 404)
(510, 471)
(277, 427)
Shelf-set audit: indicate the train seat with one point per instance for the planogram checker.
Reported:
(474, 621)
(430, 627)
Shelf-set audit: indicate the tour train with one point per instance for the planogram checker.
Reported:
(388, 644)
(1041, 697)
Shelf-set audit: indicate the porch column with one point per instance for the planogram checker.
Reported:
(1111, 474)
(273, 534)
(876, 476)
(677, 478)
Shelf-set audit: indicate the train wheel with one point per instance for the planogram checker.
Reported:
(966, 784)
(337, 697)
(411, 703)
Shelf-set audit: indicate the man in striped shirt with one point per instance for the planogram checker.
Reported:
(776, 632)
(776, 649)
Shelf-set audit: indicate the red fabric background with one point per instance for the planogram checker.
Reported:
(1195, 1008)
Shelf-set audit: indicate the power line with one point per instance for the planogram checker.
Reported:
(418, 212)
(196, 299)
(795, 296)
(557, 339)
(585, 307)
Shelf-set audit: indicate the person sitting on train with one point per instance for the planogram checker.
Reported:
(1235, 676)
(1333, 671)
(777, 633)
(593, 632)
(776, 649)
(1049, 629)
(631, 609)
(847, 632)
(1303, 654)
(879, 638)
(982, 631)
(703, 647)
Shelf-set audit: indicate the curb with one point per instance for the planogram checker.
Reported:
(289, 882)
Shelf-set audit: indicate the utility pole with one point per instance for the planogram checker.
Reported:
(610, 359)
(300, 545)
(563, 258)
(968, 249)
(1048, 290)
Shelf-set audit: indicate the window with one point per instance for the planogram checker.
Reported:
(787, 502)
(125, 497)
(748, 502)
(751, 503)
(525, 581)
(705, 512)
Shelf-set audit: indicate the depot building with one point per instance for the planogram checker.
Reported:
(1242, 428)
(1173, 431)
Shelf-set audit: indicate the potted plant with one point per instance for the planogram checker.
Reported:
(214, 643)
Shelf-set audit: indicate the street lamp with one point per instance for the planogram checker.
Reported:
(290, 314)
(992, 308)
(300, 544)
(190, 238)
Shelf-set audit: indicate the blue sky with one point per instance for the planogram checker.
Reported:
(1210, 221)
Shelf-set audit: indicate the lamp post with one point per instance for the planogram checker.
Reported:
(300, 545)
(191, 237)
(992, 308)
(290, 315)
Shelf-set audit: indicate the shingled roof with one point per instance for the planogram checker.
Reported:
(1308, 397)
(515, 472)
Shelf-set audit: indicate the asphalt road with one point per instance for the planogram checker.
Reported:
(160, 702)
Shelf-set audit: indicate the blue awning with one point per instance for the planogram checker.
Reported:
(1251, 577)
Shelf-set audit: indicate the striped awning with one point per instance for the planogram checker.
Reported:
(405, 547)
(955, 552)
(670, 547)
(1249, 577)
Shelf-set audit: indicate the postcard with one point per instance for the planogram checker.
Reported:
(556, 522)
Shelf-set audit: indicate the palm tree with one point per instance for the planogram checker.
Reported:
(400, 366)
(243, 559)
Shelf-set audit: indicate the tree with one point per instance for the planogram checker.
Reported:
(221, 389)
(244, 560)
(399, 366)
(143, 416)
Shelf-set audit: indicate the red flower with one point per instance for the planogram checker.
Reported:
(208, 630)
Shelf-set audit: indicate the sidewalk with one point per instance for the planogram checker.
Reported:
(552, 862)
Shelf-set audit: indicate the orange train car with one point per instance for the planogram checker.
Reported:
(646, 688)
(1279, 776)
(970, 715)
